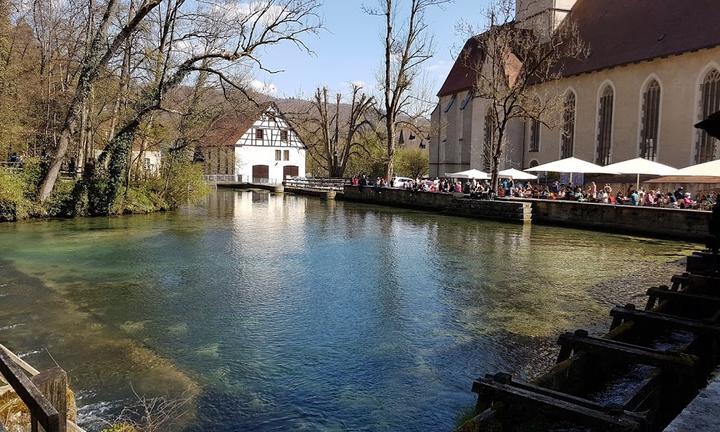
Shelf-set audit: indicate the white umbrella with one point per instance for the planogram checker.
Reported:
(570, 165)
(640, 166)
(469, 174)
(707, 169)
(517, 174)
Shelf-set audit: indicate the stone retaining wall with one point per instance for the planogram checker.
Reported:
(689, 225)
(441, 202)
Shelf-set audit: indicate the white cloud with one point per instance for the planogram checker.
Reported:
(240, 12)
(359, 83)
(263, 87)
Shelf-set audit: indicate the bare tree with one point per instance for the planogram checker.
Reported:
(102, 49)
(407, 45)
(219, 39)
(335, 135)
(510, 61)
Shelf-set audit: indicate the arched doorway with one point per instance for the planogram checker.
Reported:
(260, 173)
(290, 171)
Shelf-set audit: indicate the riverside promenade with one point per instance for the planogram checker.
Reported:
(689, 225)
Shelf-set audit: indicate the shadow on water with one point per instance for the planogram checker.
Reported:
(286, 313)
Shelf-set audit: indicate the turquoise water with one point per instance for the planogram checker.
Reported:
(277, 313)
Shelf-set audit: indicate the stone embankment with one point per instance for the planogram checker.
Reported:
(456, 205)
(688, 225)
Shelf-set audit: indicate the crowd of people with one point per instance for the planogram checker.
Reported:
(482, 189)
(650, 197)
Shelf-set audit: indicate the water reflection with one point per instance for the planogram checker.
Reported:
(289, 313)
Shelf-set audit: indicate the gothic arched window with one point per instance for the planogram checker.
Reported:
(488, 144)
(605, 125)
(707, 148)
(650, 121)
(567, 139)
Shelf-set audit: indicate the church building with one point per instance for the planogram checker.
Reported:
(652, 72)
(258, 146)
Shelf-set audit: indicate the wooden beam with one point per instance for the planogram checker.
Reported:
(610, 418)
(662, 320)
(580, 341)
(53, 384)
(665, 294)
(40, 409)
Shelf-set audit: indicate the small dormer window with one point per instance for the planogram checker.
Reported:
(283, 135)
(259, 134)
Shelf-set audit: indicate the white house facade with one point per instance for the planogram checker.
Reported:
(260, 148)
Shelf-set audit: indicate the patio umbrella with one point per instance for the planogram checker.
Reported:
(516, 174)
(469, 174)
(711, 125)
(571, 166)
(707, 169)
(640, 166)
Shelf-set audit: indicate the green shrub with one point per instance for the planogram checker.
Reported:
(14, 204)
(181, 183)
(137, 200)
(62, 202)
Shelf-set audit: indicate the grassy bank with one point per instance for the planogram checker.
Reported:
(177, 184)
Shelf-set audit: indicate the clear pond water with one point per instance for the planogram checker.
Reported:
(275, 313)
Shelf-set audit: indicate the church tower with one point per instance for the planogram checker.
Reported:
(544, 13)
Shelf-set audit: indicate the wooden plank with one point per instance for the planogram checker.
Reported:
(658, 319)
(580, 341)
(507, 380)
(664, 294)
(39, 407)
(23, 364)
(608, 418)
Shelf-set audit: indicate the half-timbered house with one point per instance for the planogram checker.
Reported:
(260, 147)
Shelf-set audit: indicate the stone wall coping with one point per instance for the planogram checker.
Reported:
(568, 202)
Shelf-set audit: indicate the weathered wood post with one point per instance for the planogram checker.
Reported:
(53, 384)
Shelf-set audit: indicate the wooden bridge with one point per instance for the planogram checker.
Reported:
(43, 393)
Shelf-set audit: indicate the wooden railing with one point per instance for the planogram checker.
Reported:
(228, 178)
(44, 393)
(316, 183)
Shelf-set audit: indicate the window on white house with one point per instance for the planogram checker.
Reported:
(605, 125)
(278, 155)
(283, 135)
(650, 121)
(286, 155)
(259, 134)
(567, 139)
(707, 147)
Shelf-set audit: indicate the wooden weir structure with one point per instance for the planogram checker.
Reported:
(638, 377)
(43, 393)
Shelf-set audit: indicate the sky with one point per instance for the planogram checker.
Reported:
(350, 49)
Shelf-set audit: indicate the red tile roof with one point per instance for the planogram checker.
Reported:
(229, 128)
(620, 32)
(461, 76)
